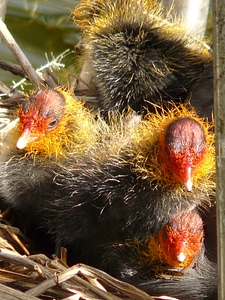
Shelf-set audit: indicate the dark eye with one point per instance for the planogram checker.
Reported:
(52, 124)
(164, 234)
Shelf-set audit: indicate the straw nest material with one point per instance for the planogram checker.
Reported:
(24, 276)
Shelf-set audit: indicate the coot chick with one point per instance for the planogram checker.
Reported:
(172, 263)
(138, 56)
(51, 126)
(131, 191)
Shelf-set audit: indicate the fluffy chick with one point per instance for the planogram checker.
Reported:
(51, 126)
(168, 263)
(138, 56)
(176, 246)
(131, 192)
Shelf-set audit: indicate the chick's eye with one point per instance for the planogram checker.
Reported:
(164, 235)
(52, 124)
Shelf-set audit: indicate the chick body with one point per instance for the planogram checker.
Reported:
(52, 126)
(176, 246)
(130, 193)
(199, 282)
(138, 56)
(121, 188)
(154, 264)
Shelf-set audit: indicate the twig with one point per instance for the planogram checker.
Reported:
(129, 290)
(55, 63)
(19, 55)
(8, 293)
(13, 68)
(3, 4)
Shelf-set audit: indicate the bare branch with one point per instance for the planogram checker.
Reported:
(3, 5)
(13, 68)
(19, 55)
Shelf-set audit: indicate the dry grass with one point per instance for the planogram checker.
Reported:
(24, 276)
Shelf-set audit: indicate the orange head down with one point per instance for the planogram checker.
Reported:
(185, 148)
(39, 116)
(181, 239)
(175, 150)
(52, 122)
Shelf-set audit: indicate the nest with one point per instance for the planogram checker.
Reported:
(25, 276)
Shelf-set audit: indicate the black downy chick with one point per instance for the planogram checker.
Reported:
(139, 57)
